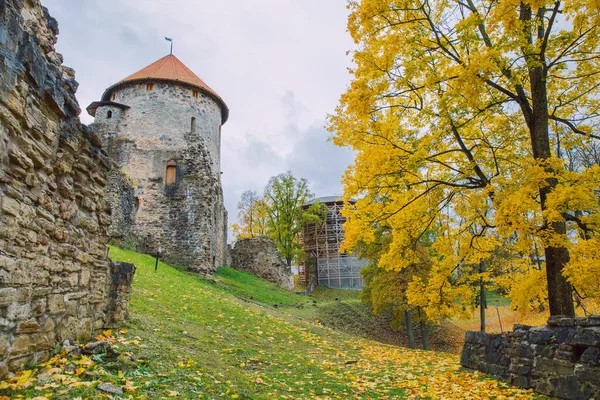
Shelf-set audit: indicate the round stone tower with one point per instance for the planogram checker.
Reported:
(161, 126)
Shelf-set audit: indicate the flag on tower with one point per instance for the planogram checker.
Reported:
(168, 39)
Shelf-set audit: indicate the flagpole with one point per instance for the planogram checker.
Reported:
(168, 39)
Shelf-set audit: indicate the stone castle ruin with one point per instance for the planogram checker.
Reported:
(146, 170)
(161, 126)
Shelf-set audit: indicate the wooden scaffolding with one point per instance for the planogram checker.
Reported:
(322, 246)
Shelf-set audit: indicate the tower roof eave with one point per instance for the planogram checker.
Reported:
(170, 69)
(91, 109)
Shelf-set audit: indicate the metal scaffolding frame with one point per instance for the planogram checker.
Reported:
(322, 246)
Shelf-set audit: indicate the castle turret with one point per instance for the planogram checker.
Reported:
(162, 128)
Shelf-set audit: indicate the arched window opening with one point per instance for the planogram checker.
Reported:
(194, 93)
(149, 86)
(109, 114)
(114, 96)
(193, 125)
(171, 172)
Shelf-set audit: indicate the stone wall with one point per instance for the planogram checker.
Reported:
(259, 256)
(120, 196)
(55, 276)
(119, 293)
(561, 359)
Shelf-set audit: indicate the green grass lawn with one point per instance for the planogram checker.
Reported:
(249, 286)
(191, 338)
(493, 298)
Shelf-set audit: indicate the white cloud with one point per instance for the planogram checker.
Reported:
(280, 65)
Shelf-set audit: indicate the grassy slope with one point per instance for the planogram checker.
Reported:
(334, 308)
(196, 340)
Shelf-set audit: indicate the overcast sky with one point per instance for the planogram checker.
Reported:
(280, 65)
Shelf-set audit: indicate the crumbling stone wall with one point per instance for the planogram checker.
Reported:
(119, 293)
(561, 359)
(120, 196)
(259, 256)
(55, 276)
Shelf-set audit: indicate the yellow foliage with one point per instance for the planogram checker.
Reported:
(439, 116)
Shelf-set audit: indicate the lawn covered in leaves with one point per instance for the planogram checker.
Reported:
(192, 338)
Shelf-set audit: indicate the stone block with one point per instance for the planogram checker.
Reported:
(588, 336)
(3, 370)
(56, 303)
(541, 335)
(591, 355)
(24, 343)
(568, 387)
(3, 345)
(8, 295)
(28, 327)
(42, 212)
(523, 350)
(11, 206)
(84, 277)
(71, 308)
(71, 279)
(7, 263)
(18, 311)
(521, 381)
(18, 363)
(49, 325)
(590, 320)
(554, 366)
(68, 328)
(45, 341)
(19, 158)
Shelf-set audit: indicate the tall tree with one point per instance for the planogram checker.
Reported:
(385, 291)
(252, 214)
(451, 112)
(285, 195)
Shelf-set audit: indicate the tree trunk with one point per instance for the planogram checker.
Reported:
(482, 304)
(424, 330)
(409, 328)
(559, 290)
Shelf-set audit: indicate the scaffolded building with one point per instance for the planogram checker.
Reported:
(324, 264)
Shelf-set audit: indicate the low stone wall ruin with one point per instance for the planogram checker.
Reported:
(56, 281)
(259, 256)
(561, 359)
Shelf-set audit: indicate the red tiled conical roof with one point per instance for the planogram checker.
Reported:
(170, 68)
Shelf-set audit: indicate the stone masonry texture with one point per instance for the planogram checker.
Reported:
(561, 359)
(259, 256)
(151, 127)
(56, 281)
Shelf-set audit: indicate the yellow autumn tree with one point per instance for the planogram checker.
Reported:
(252, 216)
(458, 112)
